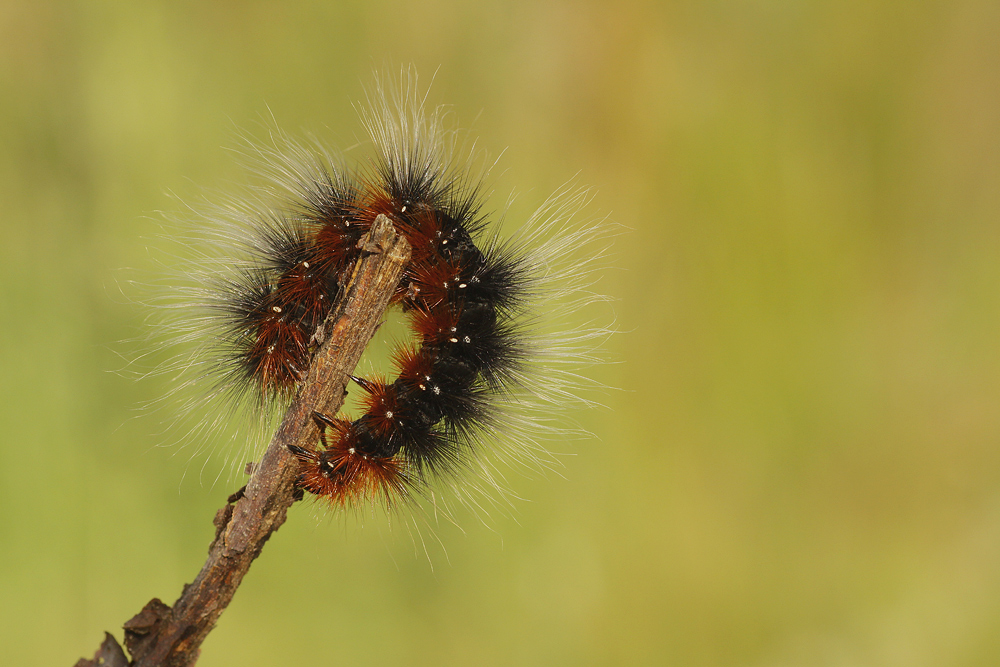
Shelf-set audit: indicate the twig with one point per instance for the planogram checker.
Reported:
(161, 636)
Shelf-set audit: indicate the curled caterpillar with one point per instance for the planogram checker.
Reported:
(489, 370)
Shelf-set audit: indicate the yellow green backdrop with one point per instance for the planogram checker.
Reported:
(802, 465)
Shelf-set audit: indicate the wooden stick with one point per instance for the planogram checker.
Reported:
(161, 636)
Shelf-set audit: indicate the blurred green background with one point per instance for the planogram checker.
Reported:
(803, 467)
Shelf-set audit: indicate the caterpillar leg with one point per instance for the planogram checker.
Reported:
(323, 422)
(342, 472)
(363, 383)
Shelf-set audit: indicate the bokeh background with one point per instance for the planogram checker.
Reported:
(802, 465)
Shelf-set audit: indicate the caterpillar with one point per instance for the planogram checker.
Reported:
(490, 373)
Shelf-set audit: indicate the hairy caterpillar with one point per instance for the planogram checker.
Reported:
(497, 356)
